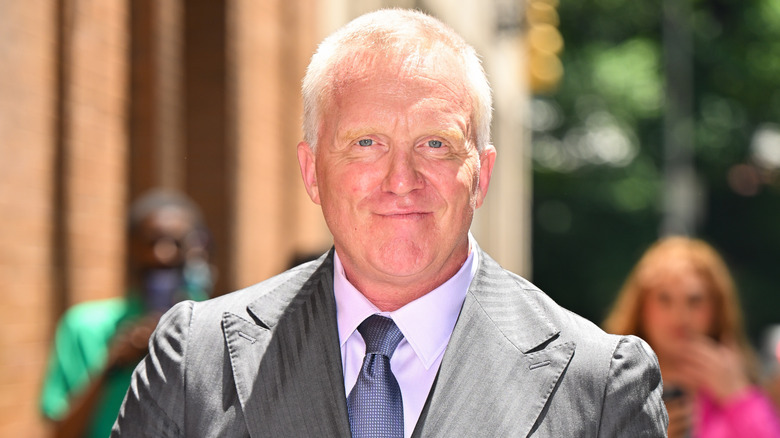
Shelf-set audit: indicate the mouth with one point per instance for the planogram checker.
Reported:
(404, 215)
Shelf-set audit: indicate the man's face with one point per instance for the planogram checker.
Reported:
(397, 173)
(161, 239)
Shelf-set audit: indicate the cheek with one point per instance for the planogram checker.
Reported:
(702, 319)
(469, 170)
(458, 182)
(655, 318)
(338, 186)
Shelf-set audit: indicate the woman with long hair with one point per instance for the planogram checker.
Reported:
(681, 298)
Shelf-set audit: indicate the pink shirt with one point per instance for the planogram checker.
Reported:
(426, 323)
(750, 415)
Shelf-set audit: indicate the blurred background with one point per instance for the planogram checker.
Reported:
(666, 120)
(616, 122)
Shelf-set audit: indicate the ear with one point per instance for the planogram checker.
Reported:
(487, 159)
(306, 160)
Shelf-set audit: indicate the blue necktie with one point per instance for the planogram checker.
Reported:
(374, 405)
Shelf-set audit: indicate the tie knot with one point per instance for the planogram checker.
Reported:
(381, 335)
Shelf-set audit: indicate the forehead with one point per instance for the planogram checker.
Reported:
(428, 89)
(433, 70)
(169, 219)
(676, 276)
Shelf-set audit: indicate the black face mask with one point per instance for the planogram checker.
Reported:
(163, 287)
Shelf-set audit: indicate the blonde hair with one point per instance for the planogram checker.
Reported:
(385, 34)
(625, 317)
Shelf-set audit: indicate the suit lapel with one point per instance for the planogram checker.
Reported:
(287, 363)
(498, 370)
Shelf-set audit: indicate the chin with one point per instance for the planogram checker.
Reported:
(402, 257)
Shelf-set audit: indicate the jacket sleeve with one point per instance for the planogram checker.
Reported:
(155, 402)
(632, 400)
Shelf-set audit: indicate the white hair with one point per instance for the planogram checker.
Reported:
(403, 32)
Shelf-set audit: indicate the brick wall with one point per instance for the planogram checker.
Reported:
(62, 159)
(100, 100)
(271, 43)
(94, 146)
(27, 42)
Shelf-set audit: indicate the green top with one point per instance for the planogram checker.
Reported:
(80, 350)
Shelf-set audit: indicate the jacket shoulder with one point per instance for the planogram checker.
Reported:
(524, 296)
(281, 290)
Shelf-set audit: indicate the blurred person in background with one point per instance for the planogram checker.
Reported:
(681, 298)
(98, 344)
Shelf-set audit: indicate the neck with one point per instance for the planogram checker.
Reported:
(390, 300)
(391, 293)
(391, 296)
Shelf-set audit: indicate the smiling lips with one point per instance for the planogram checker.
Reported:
(405, 215)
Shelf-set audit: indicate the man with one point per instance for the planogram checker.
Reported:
(397, 152)
(99, 343)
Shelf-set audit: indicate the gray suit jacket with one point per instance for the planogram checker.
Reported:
(265, 362)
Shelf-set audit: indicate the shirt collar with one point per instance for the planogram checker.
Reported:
(426, 322)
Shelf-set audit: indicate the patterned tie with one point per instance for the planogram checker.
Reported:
(375, 407)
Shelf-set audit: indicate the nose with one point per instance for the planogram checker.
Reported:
(682, 320)
(403, 175)
(166, 251)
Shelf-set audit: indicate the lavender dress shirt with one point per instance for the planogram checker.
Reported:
(426, 323)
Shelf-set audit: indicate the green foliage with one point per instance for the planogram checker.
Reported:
(629, 73)
(598, 150)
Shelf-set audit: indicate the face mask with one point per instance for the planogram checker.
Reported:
(163, 287)
(198, 278)
(167, 286)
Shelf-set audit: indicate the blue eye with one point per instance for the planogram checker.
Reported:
(366, 142)
(434, 143)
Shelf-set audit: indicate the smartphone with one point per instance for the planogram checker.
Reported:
(672, 393)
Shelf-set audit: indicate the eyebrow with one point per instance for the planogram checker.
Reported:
(452, 133)
(355, 133)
